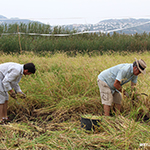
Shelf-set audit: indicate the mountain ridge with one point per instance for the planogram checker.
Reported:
(4, 19)
(127, 26)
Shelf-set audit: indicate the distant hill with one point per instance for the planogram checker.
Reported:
(127, 26)
(4, 19)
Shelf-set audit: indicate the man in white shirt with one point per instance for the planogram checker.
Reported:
(10, 75)
(110, 83)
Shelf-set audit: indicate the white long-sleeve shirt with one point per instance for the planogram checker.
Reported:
(12, 74)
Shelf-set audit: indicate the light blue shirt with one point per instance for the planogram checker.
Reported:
(121, 72)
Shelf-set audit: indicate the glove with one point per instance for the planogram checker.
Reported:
(21, 95)
(13, 95)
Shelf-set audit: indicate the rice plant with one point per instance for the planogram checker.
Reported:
(64, 89)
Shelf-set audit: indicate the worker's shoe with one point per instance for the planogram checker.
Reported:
(6, 120)
(1, 122)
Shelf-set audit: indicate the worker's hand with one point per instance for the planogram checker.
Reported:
(13, 94)
(21, 95)
(126, 94)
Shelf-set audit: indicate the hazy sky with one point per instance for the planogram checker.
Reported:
(59, 12)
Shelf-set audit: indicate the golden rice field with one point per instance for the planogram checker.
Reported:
(64, 89)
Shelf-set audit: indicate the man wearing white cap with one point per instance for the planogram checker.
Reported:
(110, 83)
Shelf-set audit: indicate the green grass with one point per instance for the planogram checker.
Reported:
(64, 89)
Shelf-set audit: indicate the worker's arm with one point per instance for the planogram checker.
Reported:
(117, 85)
(133, 85)
(133, 89)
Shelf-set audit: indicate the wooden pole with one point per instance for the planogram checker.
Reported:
(19, 39)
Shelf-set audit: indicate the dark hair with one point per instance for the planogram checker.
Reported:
(134, 64)
(30, 67)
